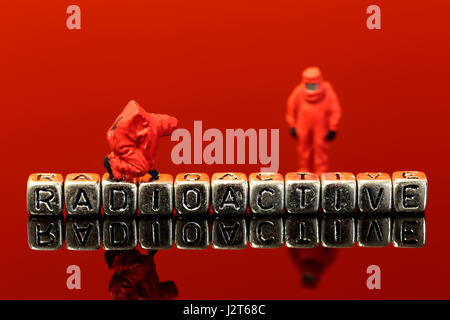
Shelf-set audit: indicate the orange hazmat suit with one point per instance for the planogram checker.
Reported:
(313, 114)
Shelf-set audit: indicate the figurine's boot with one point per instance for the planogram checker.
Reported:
(154, 174)
(107, 165)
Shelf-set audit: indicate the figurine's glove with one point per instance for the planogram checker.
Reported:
(331, 135)
(293, 132)
(154, 174)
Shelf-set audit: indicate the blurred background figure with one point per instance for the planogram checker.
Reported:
(313, 114)
(135, 276)
(312, 263)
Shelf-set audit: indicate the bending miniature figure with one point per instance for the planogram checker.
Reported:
(133, 139)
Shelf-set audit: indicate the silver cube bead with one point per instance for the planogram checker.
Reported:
(266, 231)
(338, 192)
(119, 197)
(409, 231)
(302, 190)
(409, 191)
(192, 232)
(229, 193)
(45, 233)
(373, 231)
(337, 231)
(156, 197)
(82, 194)
(155, 232)
(119, 233)
(374, 192)
(83, 233)
(266, 193)
(229, 232)
(45, 194)
(301, 231)
(192, 193)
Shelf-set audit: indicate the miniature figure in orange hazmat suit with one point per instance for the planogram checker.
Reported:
(313, 114)
(133, 139)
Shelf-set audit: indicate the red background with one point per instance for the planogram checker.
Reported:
(231, 64)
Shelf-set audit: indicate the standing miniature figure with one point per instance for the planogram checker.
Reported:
(133, 139)
(313, 114)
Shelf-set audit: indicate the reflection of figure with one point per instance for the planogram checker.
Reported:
(313, 113)
(312, 263)
(133, 139)
(135, 276)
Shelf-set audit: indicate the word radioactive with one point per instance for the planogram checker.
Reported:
(227, 193)
(300, 195)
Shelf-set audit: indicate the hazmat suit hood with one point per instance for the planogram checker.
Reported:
(312, 78)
